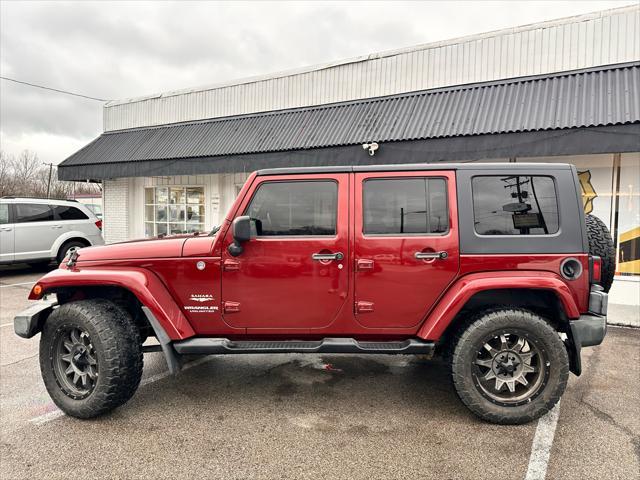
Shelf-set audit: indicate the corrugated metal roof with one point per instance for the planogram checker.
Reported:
(585, 41)
(595, 97)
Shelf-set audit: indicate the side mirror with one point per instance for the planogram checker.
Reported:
(241, 231)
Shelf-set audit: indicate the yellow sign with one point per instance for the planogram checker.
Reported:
(588, 192)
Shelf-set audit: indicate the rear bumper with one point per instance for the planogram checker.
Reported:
(29, 322)
(588, 330)
(598, 301)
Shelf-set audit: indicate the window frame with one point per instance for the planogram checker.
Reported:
(515, 235)
(408, 177)
(313, 180)
(154, 222)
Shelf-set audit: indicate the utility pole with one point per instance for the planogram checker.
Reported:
(49, 181)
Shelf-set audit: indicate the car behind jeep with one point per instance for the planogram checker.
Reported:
(493, 267)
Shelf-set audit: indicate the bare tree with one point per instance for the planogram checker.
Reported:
(26, 176)
(5, 174)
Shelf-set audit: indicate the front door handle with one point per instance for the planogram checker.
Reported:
(5, 229)
(431, 255)
(319, 257)
(56, 226)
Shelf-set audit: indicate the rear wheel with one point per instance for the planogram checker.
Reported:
(90, 357)
(509, 366)
(67, 248)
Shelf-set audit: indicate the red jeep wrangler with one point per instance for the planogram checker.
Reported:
(492, 266)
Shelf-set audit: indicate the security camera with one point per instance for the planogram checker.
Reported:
(372, 147)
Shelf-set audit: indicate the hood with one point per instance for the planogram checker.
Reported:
(149, 248)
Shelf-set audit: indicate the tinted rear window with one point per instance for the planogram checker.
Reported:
(33, 212)
(65, 212)
(515, 205)
(405, 206)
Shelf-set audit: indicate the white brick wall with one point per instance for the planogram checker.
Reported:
(116, 210)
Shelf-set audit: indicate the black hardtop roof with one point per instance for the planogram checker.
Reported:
(416, 167)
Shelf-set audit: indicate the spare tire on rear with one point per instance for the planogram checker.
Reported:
(601, 245)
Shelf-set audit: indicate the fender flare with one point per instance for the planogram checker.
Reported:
(142, 283)
(461, 291)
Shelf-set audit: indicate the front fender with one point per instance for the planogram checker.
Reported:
(145, 285)
(460, 292)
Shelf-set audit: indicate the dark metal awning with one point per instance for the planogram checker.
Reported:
(582, 111)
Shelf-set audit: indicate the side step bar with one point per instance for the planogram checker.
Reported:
(209, 346)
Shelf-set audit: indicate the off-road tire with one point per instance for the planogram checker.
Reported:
(537, 330)
(117, 347)
(601, 244)
(64, 249)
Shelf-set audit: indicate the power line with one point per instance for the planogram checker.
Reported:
(54, 89)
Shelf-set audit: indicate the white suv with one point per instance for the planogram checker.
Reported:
(34, 230)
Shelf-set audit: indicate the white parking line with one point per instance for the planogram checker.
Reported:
(49, 416)
(542, 443)
(16, 284)
(6, 324)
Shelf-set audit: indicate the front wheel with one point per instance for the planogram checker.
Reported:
(90, 357)
(509, 366)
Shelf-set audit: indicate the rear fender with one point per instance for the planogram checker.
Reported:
(55, 248)
(144, 284)
(461, 292)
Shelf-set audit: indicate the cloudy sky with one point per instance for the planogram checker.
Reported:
(116, 50)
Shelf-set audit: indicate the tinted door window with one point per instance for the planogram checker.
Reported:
(405, 206)
(69, 213)
(295, 208)
(33, 212)
(4, 213)
(515, 205)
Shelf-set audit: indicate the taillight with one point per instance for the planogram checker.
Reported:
(99, 224)
(596, 269)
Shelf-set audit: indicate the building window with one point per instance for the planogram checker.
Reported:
(515, 205)
(405, 206)
(305, 208)
(173, 210)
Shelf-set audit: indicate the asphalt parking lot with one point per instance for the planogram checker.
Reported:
(295, 416)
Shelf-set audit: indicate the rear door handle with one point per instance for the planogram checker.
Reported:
(56, 226)
(431, 255)
(327, 256)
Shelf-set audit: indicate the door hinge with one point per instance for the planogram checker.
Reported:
(230, 265)
(364, 264)
(231, 307)
(364, 307)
